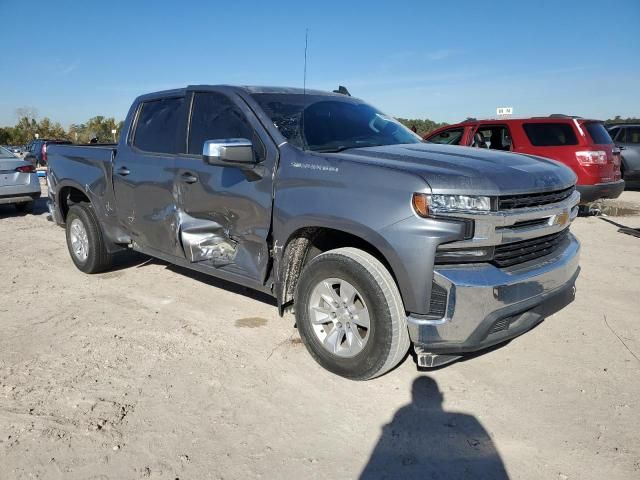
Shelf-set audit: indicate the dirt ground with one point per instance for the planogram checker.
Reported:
(150, 371)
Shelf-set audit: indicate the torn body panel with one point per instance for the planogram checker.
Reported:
(206, 241)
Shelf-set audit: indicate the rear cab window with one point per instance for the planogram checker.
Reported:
(632, 135)
(598, 133)
(159, 126)
(551, 134)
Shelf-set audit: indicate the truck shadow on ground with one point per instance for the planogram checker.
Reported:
(39, 208)
(219, 283)
(423, 441)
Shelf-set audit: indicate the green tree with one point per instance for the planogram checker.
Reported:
(423, 126)
(619, 119)
(98, 127)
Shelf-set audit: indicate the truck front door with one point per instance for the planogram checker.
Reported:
(225, 211)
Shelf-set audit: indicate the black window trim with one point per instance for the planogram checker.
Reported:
(132, 131)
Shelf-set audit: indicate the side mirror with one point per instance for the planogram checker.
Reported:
(233, 151)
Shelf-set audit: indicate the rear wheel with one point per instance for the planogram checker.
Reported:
(350, 314)
(84, 240)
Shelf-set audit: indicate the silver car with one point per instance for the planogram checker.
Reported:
(19, 184)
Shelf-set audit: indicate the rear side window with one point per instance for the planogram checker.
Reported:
(448, 137)
(633, 135)
(214, 117)
(159, 126)
(598, 133)
(550, 134)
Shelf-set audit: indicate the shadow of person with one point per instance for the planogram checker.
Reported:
(425, 442)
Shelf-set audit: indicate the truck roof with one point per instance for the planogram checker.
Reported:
(245, 88)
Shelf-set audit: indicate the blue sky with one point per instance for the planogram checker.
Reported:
(438, 60)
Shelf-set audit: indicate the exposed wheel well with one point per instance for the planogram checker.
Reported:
(68, 196)
(305, 244)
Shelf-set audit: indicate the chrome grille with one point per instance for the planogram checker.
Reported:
(509, 202)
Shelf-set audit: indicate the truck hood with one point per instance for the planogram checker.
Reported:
(467, 170)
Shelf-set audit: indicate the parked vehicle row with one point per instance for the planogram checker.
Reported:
(373, 238)
(36, 151)
(583, 145)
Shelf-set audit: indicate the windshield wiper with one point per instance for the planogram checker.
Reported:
(341, 148)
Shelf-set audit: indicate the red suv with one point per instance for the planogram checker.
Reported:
(583, 145)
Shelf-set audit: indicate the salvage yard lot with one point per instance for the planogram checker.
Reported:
(152, 371)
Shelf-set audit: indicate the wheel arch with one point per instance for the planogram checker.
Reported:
(305, 243)
(68, 194)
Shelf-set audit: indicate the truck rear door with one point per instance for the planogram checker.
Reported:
(225, 211)
(144, 172)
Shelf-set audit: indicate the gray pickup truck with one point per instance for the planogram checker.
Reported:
(373, 238)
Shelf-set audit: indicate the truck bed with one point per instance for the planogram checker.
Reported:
(88, 168)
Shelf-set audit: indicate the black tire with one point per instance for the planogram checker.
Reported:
(388, 336)
(97, 258)
(25, 207)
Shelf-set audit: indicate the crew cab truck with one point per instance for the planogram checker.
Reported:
(373, 238)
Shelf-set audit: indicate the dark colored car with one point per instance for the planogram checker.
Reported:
(374, 238)
(581, 144)
(37, 151)
(627, 138)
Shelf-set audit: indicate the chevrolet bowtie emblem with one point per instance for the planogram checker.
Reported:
(562, 218)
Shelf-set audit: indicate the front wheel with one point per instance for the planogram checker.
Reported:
(350, 314)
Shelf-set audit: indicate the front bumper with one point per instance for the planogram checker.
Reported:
(487, 305)
(591, 193)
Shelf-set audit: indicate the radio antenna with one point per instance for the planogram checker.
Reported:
(304, 88)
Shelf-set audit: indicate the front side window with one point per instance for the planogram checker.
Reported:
(598, 133)
(331, 123)
(215, 117)
(452, 136)
(550, 134)
(159, 126)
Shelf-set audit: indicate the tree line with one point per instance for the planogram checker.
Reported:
(101, 128)
(422, 125)
(28, 126)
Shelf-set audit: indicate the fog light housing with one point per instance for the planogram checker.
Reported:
(464, 255)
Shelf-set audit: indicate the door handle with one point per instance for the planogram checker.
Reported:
(188, 177)
(123, 171)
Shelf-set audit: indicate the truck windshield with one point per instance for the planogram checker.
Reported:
(329, 123)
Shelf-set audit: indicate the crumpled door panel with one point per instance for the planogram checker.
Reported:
(206, 241)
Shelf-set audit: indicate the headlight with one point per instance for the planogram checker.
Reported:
(425, 204)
